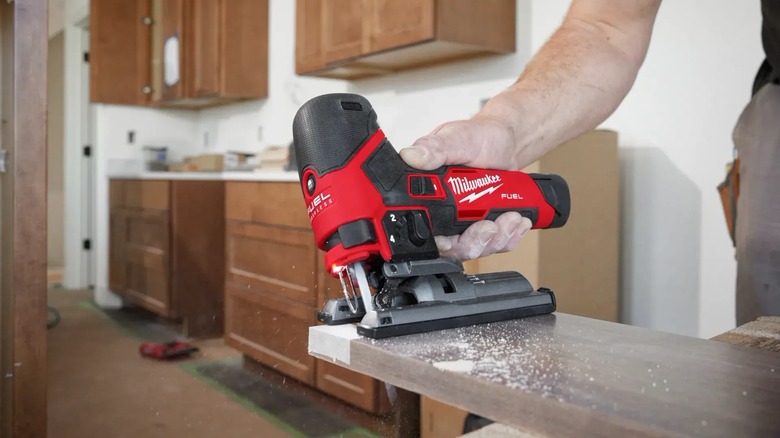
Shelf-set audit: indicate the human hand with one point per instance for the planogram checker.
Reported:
(480, 142)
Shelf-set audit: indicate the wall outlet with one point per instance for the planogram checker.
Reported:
(206, 140)
(260, 133)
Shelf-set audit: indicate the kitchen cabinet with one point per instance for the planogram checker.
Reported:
(178, 53)
(351, 39)
(275, 282)
(209, 52)
(120, 51)
(166, 250)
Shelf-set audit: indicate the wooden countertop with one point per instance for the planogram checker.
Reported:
(281, 176)
(563, 375)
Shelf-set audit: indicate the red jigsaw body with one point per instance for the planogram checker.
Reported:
(349, 194)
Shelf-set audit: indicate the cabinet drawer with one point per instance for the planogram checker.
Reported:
(358, 389)
(272, 203)
(276, 261)
(147, 194)
(116, 253)
(146, 263)
(148, 229)
(272, 331)
(147, 281)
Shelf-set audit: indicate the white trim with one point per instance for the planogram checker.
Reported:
(72, 158)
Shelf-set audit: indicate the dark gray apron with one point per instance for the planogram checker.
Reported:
(757, 138)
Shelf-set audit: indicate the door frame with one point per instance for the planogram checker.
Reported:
(23, 281)
(79, 172)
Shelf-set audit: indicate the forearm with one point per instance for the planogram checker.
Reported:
(575, 81)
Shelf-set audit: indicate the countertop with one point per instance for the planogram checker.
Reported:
(214, 176)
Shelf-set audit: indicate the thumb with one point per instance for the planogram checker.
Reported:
(421, 155)
(449, 143)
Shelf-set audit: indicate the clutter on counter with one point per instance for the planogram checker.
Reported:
(270, 159)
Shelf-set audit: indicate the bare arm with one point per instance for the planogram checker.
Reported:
(580, 75)
(575, 81)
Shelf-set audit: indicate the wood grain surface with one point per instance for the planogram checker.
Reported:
(563, 375)
(23, 57)
(763, 333)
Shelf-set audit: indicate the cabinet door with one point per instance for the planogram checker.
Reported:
(120, 36)
(244, 48)
(147, 260)
(205, 47)
(345, 29)
(269, 284)
(397, 23)
(308, 36)
(170, 41)
(116, 251)
(270, 330)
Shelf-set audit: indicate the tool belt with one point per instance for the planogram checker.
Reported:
(729, 193)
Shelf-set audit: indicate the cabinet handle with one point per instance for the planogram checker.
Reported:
(147, 20)
(146, 89)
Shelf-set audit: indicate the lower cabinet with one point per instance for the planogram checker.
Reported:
(275, 282)
(166, 249)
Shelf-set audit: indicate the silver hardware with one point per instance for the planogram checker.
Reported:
(343, 270)
(3, 154)
(147, 20)
(146, 89)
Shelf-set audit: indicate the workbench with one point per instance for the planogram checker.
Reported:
(564, 375)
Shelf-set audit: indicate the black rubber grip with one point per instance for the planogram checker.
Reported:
(556, 193)
(329, 129)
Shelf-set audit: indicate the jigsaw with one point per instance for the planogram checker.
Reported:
(376, 217)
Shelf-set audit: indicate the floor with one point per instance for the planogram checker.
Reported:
(99, 386)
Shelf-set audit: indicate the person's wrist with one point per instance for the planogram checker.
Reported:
(505, 110)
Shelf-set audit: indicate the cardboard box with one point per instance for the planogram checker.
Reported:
(583, 255)
(440, 420)
(186, 166)
(274, 157)
(229, 161)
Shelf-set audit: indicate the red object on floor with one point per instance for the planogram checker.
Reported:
(167, 350)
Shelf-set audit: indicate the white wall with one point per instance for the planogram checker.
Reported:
(678, 268)
(676, 127)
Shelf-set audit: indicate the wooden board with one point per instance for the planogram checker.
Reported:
(564, 375)
(23, 189)
(763, 333)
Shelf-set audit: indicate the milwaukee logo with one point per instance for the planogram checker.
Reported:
(462, 185)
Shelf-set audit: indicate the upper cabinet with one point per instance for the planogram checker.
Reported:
(180, 53)
(358, 38)
(120, 56)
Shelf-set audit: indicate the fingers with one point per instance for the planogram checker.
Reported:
(485, 237)
(479, 143)
(422, 157)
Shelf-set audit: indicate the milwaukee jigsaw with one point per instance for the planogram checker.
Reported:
(376, 218)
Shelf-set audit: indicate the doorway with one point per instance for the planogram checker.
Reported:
(88, 170)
